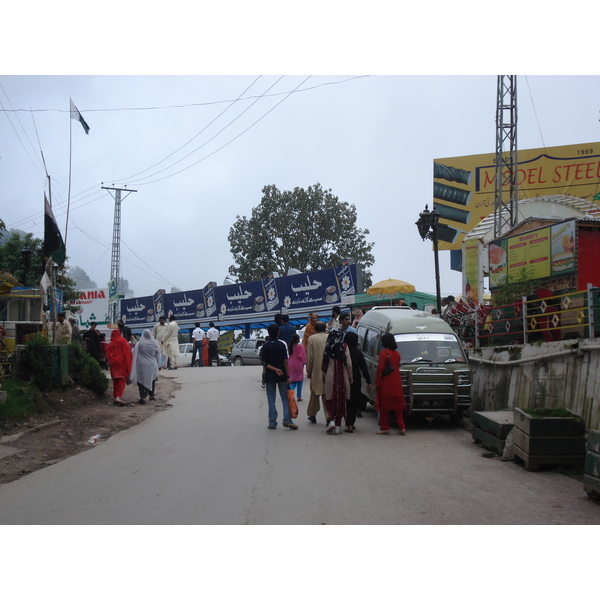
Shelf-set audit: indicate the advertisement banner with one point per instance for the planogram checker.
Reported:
(93, 305)
(317, 288)
(210, 299)
(464, 186)
(185, 305)
(529, 255)
(473, 279)
(271, 293)
(538, 254)
(158, 300)
(137, 311)
(241, 299)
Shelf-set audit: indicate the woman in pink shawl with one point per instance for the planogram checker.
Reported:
(119, 358)
(337, 366)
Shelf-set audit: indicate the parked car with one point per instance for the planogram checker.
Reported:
(246, 352)
(185, 356)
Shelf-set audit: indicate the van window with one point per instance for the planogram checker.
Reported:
(430, 348)
(370, 344)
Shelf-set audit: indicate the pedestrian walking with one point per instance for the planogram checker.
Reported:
(314, 372)
(359, 368)
(171, 343)
(145, 366)
(119, 358)
(75, 332)
(273, 355)
(338, 377)
(389, 395)
(296, 361)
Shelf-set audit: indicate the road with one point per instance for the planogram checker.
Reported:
(211, 460)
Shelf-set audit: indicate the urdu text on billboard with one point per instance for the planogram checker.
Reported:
(464, 186)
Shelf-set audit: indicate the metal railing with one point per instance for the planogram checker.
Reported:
(541, 317)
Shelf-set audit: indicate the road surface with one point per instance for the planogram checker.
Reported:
(211, 460)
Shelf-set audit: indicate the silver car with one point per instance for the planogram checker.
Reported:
(185, 356)
(246, 352)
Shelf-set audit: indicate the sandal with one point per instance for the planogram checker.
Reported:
(402, 432)
(349, 429)
(118, 403)
(383, 432)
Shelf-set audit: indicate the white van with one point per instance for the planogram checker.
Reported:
(434, 367)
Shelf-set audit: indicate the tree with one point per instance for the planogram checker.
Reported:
(81, 278)
(308, 230)
(12, 260)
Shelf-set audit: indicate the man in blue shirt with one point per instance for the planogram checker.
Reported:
(274, 356)
(286, 330)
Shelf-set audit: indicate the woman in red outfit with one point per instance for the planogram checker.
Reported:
(389, 393)
(119, 358)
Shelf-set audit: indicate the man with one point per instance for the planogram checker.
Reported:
(92, 338)
(286, 330)
(125, 331)
(159, 332)
(345, 319)
(197, 341)
(63, 330)
(334, 322)
(75, 332)
(213, 344)
(171, 343)
(413, 306)
(274, 358)
(314, 360)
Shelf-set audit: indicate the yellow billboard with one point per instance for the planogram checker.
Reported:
(463, 186)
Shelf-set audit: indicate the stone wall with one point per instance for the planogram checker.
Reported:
(553, 374)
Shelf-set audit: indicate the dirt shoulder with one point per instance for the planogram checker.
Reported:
(73, 417)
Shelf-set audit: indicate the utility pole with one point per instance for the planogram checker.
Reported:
(505, 213)
(115, 262)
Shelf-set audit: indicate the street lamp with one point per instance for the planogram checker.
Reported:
(427, 225)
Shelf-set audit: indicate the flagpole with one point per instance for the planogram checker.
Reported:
(62, 279)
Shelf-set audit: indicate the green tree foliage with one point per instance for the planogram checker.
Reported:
(308, 230)
(11, 260)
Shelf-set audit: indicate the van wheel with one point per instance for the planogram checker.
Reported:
(238, 362)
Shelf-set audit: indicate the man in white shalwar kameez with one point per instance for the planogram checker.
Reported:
(159, 333)
(171, 342)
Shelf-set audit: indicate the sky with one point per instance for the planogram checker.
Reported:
(199, 149)
(188, 122)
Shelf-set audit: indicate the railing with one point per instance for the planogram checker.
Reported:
(542, 317)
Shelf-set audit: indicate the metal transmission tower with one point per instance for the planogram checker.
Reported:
(505, 213)
(115, 285)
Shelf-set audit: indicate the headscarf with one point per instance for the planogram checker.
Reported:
(309, 330)
(146, 360)
(334, 347)
(118, 355)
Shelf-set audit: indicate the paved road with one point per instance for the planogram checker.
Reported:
(211, 460)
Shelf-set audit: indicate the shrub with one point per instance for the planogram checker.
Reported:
(37, 362)
(24, 400)
(86, 371)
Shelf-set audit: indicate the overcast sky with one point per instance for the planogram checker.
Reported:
(199, 149)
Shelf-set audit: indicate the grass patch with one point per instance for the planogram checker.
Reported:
(541, 413)
(24, 399)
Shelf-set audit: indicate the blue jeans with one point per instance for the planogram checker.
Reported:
(272, 396)
(297, 385)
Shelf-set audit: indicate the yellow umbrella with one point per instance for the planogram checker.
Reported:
(391, 286)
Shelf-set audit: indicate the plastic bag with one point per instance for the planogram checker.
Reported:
(292, 403)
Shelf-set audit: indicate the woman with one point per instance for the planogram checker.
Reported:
(358, 315)
(146, 365)
(388, 388)
(310, 328)
(337, 366)
(118, 356)
(205, 360)
(359, 365)
(296, 362)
